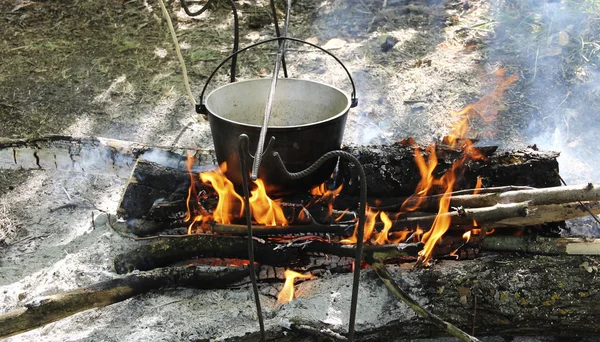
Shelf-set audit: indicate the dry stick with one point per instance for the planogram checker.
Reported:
(395, 289)
(498, 212)
(467, 215)
(186, 82)
(163, 252)
(550, 213)
(43, 310)
(584, 206)
(553, 195)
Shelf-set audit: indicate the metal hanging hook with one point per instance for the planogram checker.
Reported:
(243, 151)
(269, 106)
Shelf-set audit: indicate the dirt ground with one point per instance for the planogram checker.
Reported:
(108, 68)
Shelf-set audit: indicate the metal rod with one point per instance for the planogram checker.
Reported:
(269, 106)
(360, 230)
(278, 34)
(242, 150)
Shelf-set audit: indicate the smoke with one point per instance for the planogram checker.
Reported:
(554, 47)
(556, 100)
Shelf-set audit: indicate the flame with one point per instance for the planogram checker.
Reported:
(265, 210)
(467, 236)
(230, 205)
(397, 237)
(440, 225)
(327, 196)
(287, 292)
(479, 185)
(370, 221)
(228, 198)
(487, 109)
(382, 236)
(427, 180)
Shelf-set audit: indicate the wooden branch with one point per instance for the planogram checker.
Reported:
(465, 216)
(43, 310)
(550, 213)
(163, 252)
(544, 196)
(541, 245)
(166, 251)
(395, 289)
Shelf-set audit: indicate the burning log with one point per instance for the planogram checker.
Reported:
(392, 171)
(158, 192)
(43, 310)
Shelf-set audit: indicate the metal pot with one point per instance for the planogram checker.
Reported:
(307, 121)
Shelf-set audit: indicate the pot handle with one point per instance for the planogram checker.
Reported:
(201, 107)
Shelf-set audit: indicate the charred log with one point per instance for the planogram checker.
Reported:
(502, 295)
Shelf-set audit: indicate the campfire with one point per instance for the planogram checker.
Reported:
(448, 200)
(201, 226)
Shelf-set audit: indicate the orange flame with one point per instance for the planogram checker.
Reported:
(192, 189)
(327, 196)
(368, 229)
(467, 235)
(487, 109)
(230, 205)
(265, 210)
(228, 198)
(439, 227)
(427, 180)
(287, 292)
(382, 236)
(479, 185)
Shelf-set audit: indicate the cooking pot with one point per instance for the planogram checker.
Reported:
(307, 121)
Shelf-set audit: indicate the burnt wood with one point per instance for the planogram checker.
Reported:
(158, 192)
(392, 172)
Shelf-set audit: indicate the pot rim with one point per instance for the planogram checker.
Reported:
(341, 113)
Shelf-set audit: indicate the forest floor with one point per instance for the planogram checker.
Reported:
(108, 68)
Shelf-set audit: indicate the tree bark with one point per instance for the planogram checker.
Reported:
(504, 295)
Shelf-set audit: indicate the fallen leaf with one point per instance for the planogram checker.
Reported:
(334, 43)
(22, 4)
(312, 40)
(563, 38)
